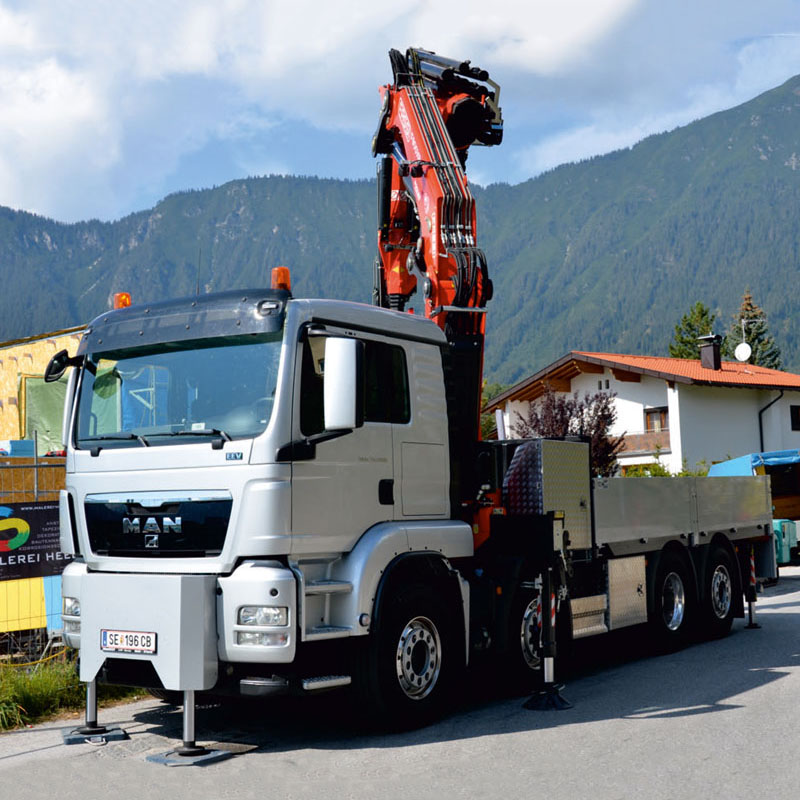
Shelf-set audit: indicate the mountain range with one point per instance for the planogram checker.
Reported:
(605, 255)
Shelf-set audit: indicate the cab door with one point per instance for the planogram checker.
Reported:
(342, 486)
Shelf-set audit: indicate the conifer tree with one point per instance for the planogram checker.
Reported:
(766, 352)
(699, 321)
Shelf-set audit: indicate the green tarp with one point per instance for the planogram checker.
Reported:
(44, 409)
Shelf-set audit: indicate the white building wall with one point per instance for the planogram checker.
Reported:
(776, 420)
(674, 461)
(716, 423)
(511, 419)
(632, 398)
(706, 423)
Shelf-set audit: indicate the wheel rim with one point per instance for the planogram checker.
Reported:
(673, 601)
(721, 591)
(529, 635)
(419, 658)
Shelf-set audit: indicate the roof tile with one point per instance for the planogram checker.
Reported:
(731, 373)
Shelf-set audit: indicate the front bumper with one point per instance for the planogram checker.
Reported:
(194, 619)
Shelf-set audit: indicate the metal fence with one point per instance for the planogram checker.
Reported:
(30, 566)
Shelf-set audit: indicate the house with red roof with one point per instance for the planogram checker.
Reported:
(678, 411)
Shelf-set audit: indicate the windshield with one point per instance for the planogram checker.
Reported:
(194, 389)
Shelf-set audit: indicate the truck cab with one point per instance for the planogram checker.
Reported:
(242, 469)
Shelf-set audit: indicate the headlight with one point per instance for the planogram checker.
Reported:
(274, 616)
(71, 607)
(262, 639)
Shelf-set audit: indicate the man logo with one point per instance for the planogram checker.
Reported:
(168, 525)
(151, 540)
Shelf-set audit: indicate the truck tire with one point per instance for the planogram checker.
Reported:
(524, 652)
(407, 671)
(674, 601)
(169, 696)
(719, 589)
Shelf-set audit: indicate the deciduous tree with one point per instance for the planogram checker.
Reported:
(556, 415)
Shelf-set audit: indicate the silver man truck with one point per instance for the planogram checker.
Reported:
(263, 494)
(269, 494)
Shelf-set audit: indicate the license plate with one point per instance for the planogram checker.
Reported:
(127, 641)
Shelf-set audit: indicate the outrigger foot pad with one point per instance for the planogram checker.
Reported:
(547, 700)
(94, 734)
(189, 756)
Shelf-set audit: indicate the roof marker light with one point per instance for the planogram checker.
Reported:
(122, 299)
(281, 279)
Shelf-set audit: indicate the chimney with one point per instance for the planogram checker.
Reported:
(709, 351)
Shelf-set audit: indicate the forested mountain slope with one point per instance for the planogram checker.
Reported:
(606, 254)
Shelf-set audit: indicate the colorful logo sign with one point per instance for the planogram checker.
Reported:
(9, 523)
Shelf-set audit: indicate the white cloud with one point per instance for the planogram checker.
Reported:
(767, 62)
(761, 64)
(81, 87)
(102, 107)
(540, 36)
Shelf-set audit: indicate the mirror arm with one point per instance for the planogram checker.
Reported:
(306, 449)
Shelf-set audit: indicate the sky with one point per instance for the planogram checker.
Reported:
(108, 106)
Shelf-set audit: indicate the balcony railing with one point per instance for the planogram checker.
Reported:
(646, 443)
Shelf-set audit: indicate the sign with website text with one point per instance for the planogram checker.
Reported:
(29, 541)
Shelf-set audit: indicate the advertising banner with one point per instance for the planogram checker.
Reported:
(29, 543)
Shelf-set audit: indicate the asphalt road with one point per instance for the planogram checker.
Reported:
(717, 720)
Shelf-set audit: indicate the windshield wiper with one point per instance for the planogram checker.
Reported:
(119, 437)
(197, 432)
(114, 437)
(220, 437)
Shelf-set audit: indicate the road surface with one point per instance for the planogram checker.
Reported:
(717, 720)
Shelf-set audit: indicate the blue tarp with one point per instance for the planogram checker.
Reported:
(746, 465)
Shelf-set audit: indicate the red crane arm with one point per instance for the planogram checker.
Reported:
(432, 113)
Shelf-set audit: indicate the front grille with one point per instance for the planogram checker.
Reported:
(126, 528)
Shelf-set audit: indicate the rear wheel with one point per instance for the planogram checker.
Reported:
(719, 588)
(523, 656)
(524, 653)
(673, 611)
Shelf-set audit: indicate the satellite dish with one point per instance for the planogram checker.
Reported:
(743, 351)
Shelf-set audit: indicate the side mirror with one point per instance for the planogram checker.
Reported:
(343, 395)
(58, 365)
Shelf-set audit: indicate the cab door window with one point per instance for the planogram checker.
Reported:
(385, 389)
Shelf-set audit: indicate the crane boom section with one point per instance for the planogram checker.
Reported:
(432, 113)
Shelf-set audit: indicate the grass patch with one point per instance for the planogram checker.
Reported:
(28, 696)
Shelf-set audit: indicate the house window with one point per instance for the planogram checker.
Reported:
(656, 420)
(794, 414)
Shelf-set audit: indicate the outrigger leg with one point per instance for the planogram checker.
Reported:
(90, 731)
(549, 696)
(189, 753)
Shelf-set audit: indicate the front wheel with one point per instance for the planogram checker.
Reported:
(169, 696)
(719, 592)
(406, 672)
(673, 610)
